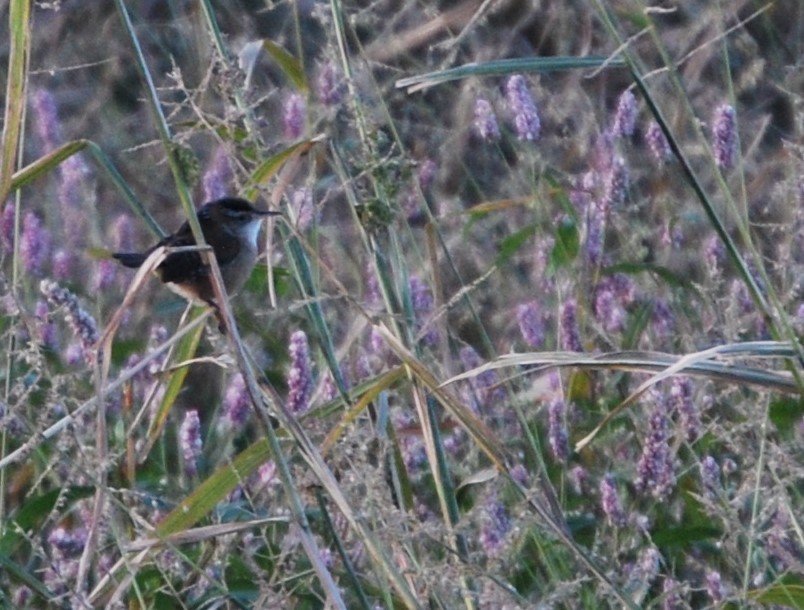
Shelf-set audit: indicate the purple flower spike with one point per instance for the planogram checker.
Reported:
(190, 440)
(642, 573)
(329, 389)
(595, 232)
(557, 431)
(526, 116)
(714, 586)
(46, 121)
(530, 324)
(218, 177)
(498, 524)
(610, 501)
(21, 597)
(657, 143)
(625, 117)
(520, 474)
(710, 477)
(329, 86)
(72, 190)
(422, 298)
(578, 477)
(105, 274)
(123, 232)
(662, 320)
(714, 255)
(47, 329)
(486, 121)
(304, 207)
(236, 403)
(73, 170)
(682, 402)
(484, 384)
(615, 188)
(62, 264)
(34, 244)
(293, 119)
(672, 595)
(607, 307)
(724, 136)
(570, 338)
(300, 377)
(79, 320)
(65, 547)
(7, 230)
(655, 470)
(426, 174)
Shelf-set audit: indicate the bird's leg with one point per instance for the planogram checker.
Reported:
(218, 315)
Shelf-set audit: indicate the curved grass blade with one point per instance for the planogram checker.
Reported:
(681, 365)
(291, 66)
(650, 362)
(701, 364)
(185, 352)
(502, 67)
(50, 161)
(268, 168)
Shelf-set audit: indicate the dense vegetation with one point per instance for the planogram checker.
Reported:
(525, 335)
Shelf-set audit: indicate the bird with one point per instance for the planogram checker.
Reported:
(230, 227)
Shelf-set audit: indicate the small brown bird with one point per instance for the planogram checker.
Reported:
(230, 227)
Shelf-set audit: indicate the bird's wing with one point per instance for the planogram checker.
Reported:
(181, 266)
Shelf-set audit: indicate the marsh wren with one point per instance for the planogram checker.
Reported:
(230, 227)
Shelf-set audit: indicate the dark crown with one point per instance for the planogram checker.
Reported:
(234, 208)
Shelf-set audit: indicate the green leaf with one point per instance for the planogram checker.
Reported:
(785, 413)
(787, 593)
(291, 66)
(580, 387)
(46, 163)
(567, 245)
(685, 535)
(637, 323)
(559, 194)
(511, 244)
(257, 282)
(214, 489)
(233, 133)
(266, 170)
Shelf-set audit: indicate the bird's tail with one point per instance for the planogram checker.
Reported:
(130, 259)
